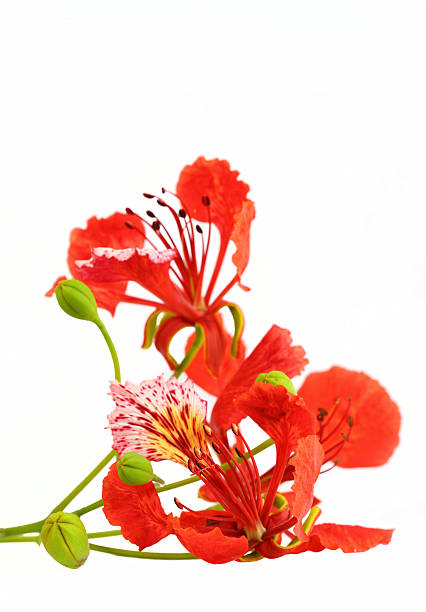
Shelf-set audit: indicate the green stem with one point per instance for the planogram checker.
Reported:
(36, 527)
(89, 508)
(27, 528)
(121, 552)
(84, 482)
(36, 539)
(112, 350)
(104, 534)
(195, 347)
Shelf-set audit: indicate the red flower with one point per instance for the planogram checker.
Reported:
(207, 191)
(356, 420)
(166, 420)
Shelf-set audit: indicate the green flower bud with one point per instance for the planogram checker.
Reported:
(133, 469)
(76, 299)
(65, 539)
(277, 378)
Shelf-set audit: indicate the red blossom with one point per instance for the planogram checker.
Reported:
(357, 422)
(166, 420)
(207, 191)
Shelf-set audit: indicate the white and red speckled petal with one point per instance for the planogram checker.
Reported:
(147, 267)
(158, 419)
(124, 254)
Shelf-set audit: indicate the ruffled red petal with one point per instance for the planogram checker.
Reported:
(105, 232)
(147, 267)
(307, 461)
(281, 414)
(376, 418)
(274, 352)
(136, 509)
(201, 375)
(241, 237)
(229, 209)
(212, 545)
(349, 538)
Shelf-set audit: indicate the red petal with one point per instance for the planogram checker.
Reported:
(202, 377)
(205, 492)
(274, 352)
(229, 208)
(241, 236)
(349, 538)
(212, 546)
(137, 510)
(307, 462)
(278, 412)
(215, 179)
(51, 291)
(107, 232)
(215, 342)
(284, 418)
(164, 336)
(147, 267)
(376, 418)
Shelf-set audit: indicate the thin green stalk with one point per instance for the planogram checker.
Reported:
(122, 552)
(89, 508)
(104, 534)
(5, 540)
(27, 528)
(64, 503)
(111, 347)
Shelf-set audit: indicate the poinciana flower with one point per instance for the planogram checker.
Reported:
(356, 420)
(167, 420)
(169, 258)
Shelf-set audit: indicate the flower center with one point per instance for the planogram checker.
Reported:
(188, 240)
(235, 484)
(335, 426)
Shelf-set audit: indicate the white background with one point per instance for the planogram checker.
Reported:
(320, 105)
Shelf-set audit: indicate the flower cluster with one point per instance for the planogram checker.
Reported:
(337, 417)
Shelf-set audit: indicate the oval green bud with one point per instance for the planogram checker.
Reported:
(76, 299)
(277, 378)
(65, 539)
(133, 469)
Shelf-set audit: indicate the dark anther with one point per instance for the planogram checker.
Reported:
(239, 453)
(198, 228)
(156, 226)
(150, 214)
(322, 411)
(148, 195)
(163, 190)
(129, 211)
(199, 466)
(205, 200)
(161, 202)
(178, 503)
(129, 225)
(350, 421)
(198, 453)
(216, 448)
(344, 436)
(191, 465)
(182, 213)
(320, 417)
